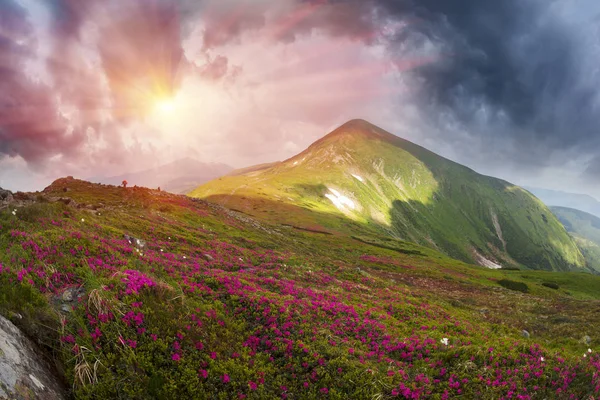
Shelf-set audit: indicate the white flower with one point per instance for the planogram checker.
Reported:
(14, 212)
(585, 355)
(184, 257)
(444, 341)
(169, 237)
(542, 359)
(161, 250)
(589, 350)
(82, 220)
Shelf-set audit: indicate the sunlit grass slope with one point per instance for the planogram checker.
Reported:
(361, 178)
(213, 304)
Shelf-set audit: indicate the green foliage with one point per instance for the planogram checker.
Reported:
(585, 230)
(403, 191)
(551, 285)
(514, 285)
(273, 303)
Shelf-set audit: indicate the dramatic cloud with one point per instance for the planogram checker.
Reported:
(513, 68)
(507, 87)
(30, 124)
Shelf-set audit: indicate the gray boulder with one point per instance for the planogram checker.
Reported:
(525, 334)
(24, 374)
(139, 243)
(6, 197)
(586, 340)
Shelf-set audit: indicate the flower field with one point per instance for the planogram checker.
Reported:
(138, 294)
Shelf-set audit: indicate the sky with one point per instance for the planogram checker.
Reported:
(102, 87)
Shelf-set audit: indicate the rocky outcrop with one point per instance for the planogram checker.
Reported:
(6, 197)
(24, 374)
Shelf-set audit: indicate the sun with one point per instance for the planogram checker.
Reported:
(165, 106)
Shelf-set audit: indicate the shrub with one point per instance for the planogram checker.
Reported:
(510, 269)
(551, 285)
(513, 285)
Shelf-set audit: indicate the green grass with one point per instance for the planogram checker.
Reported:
(407, 192)
(585, 230)
(396, 288)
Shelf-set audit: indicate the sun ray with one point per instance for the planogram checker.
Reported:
(293, 20)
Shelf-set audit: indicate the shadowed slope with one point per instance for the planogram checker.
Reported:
(383, 183)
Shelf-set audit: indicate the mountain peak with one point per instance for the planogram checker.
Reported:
(358, 129)
(358, 124)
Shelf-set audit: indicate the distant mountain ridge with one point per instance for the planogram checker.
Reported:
(360, 179)
(576, 201)
(178, 176)
(585, 229)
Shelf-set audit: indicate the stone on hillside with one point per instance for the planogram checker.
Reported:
(586, 340)
(208, 257)
(66, 308)
(6, 197)
(67, 295)
(525, 334)
(24, 374)
(70, 294)
(139, 243)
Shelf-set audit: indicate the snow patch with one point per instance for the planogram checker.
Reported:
(295, 162)
(342, 202)
(484, 262)
(358, 177)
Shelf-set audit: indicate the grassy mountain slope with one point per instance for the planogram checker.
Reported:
(585, 229)
(382, 183)
(211, 303)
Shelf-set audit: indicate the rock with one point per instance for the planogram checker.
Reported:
(24, 374)
(6, 197)
(67, 295)
(586, 340)
(525, 334)
(66, 308)
(139, 243)
(208, 257)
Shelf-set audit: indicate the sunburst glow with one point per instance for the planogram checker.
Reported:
(166, 106)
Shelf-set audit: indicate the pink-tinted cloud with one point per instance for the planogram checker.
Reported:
(30, 124)
(249, 80)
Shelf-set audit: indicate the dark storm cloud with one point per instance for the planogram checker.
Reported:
(510, 73)
(512, 66)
